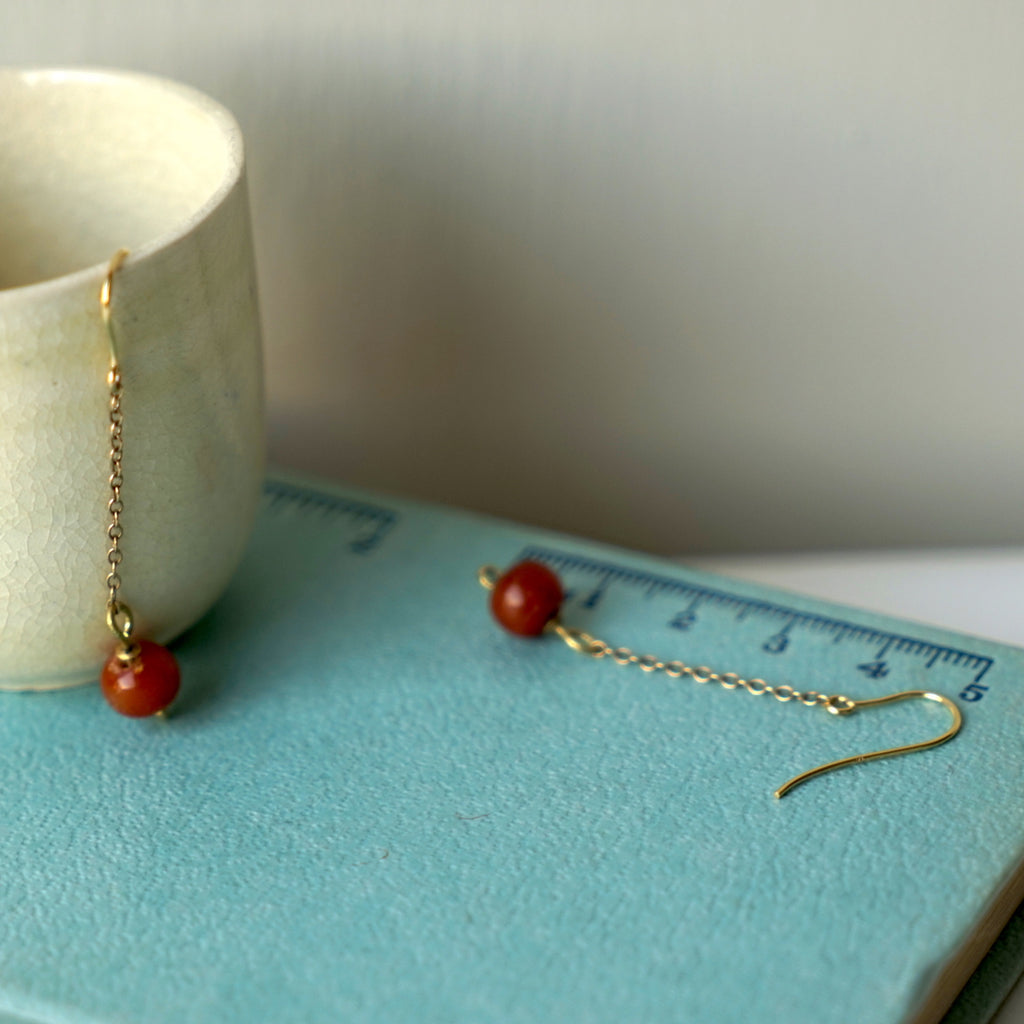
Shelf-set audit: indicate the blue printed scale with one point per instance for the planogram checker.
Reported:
(589, 580)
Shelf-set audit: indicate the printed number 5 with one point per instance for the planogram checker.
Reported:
(973, 691)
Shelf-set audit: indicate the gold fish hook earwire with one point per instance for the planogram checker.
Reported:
(527, 598)
(910, 748)
(106, 297)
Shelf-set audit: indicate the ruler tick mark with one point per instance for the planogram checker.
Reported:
(372, 522)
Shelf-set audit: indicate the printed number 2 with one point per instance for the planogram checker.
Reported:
(684, 620)
(973, 691)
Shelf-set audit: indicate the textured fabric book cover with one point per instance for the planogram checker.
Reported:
(371, 804)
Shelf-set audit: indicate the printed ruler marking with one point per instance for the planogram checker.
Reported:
(784, 620)
(372, 523)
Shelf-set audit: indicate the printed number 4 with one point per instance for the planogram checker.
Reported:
(973, 691)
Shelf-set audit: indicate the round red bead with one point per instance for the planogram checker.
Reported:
(143, 685)
(526, 598)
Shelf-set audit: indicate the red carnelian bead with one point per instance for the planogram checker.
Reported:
(526, 598)
(144, 685)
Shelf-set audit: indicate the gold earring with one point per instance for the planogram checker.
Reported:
(140, 678)
(526, 601)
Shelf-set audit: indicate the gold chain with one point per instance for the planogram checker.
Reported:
(584, 643)
(115, 506)
(119, 615)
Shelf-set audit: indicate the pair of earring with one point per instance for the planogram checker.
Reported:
(142, 678)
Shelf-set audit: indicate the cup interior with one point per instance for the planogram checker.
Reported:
(93, 161)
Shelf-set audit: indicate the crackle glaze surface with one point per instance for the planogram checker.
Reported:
(167, 181)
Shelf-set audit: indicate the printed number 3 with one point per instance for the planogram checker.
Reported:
(684, 620)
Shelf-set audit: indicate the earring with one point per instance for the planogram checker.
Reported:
(140, 678)
(526, 600)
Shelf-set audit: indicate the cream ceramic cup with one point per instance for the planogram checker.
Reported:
(90, 162)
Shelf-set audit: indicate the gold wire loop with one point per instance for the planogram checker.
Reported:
(120, 621)
(910, 748)
(487, 576)
(837, 704)
(579, 641)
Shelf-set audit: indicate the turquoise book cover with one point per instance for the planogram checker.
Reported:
(370, 804)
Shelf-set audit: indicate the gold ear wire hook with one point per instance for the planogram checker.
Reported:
(106, 293)
(910, 748)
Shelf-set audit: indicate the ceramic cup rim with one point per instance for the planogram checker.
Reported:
(218, 115)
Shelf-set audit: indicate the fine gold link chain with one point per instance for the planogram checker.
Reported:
(115, 505)
(593, 647)
(119, 615)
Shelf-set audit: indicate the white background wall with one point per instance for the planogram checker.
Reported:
(694, 275)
